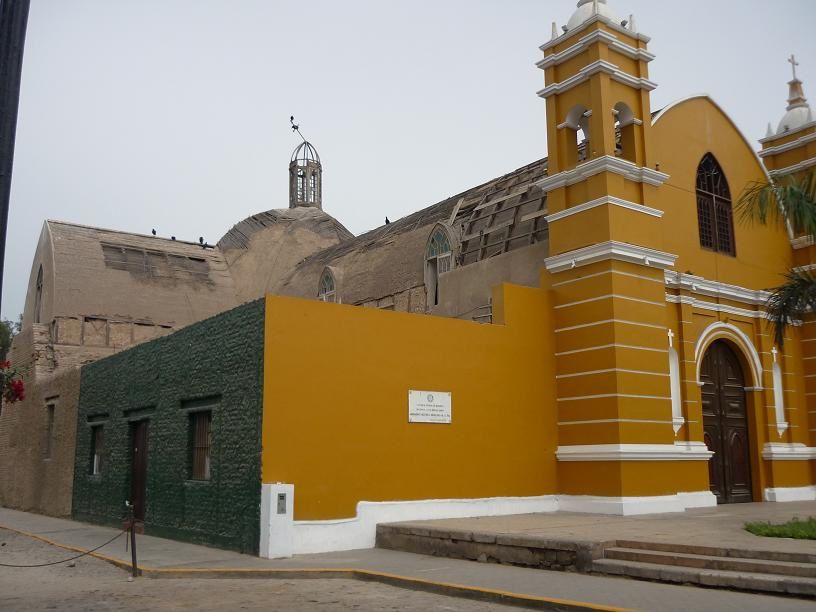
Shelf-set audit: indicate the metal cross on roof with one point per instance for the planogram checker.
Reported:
(793, 63)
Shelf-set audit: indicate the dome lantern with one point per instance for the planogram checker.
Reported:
(305, 175)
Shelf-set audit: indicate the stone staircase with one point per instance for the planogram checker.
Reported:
(746, 570)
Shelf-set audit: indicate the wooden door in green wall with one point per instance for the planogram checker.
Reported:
(138, 469)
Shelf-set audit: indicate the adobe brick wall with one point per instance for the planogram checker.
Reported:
(221, 357)
(29, 480)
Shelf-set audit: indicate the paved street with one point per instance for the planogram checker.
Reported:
(94, 584)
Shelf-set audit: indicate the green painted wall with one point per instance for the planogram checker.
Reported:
(218, 361)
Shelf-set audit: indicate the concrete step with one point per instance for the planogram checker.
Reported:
(712, 562)
(769, 555)
(743, 581)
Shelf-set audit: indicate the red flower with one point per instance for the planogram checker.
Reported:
(5, 365)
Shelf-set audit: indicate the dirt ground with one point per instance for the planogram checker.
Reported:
(93, 584)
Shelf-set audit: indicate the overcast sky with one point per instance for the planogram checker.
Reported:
(174, 114)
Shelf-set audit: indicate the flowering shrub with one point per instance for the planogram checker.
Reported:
(12, 388)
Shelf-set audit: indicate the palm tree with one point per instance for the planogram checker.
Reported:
(791, 202)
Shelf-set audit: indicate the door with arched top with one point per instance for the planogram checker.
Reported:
(725, 424)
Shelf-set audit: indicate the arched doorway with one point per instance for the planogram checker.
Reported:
(725, 424)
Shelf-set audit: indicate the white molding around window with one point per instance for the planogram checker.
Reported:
(679, 451)
(611, 249)
(611, 200)
(604, 163)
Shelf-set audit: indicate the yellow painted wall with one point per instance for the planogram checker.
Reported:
(681, 137)
(336, 382)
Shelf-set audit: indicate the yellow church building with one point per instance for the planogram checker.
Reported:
(600, 343)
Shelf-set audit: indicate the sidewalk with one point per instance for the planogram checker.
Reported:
(497, 583)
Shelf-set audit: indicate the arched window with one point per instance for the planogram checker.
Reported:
(438, 260)
(714, 214)
(624, 132)
(327, 290)
(38, 297)
(577, 120)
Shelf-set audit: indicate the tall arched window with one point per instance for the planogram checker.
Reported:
(714, 215)
(38, 297)
(327, 290)
(438, 260)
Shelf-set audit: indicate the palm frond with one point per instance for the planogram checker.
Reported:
(790, 301)
(788, 200)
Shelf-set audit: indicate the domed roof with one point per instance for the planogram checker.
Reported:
(586, 10)
(305, 152)
(795, 118)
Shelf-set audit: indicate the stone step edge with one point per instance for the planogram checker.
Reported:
(742, 581)
(716, 551)
(784, 568)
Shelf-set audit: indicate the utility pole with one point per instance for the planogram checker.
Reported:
(13, 21)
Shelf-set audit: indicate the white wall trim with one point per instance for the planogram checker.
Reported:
(789, 494)
(793, 451)
(614, 201)
(276, 534)
(586, 24)
(611, 249)
(726, 330)
(604, 163)
(554, 59)
(583, 75)
(358, 532)
(794, 144)
(703, 286)
(705, 305)
(683, 451)
(629, 506)
(801, 128)
(808, 163)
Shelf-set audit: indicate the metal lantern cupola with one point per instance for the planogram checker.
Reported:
(305, 175)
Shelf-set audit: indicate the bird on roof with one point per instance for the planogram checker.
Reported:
(387, 221)
(153, 231)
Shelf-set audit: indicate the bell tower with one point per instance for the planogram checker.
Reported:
(616, 422)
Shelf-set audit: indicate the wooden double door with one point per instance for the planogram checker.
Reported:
(725, 424)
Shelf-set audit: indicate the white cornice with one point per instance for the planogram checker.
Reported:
(801, 128)
(594, 68)
(612, 200)
(594, 19)
(788, 452)
(602, 36)
(808, 163)
(704, 305)
(603, 251)
(605, 163)
(794, 144)
(703, 286)
(684, 451)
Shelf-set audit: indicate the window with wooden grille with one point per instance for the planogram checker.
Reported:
(200, 443)
(714, 212)
(438, 261)
(97, 448)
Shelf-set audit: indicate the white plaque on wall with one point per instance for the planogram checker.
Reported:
(429, 407)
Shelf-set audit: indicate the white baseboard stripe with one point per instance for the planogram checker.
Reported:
(285, 537)
(790, 494)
